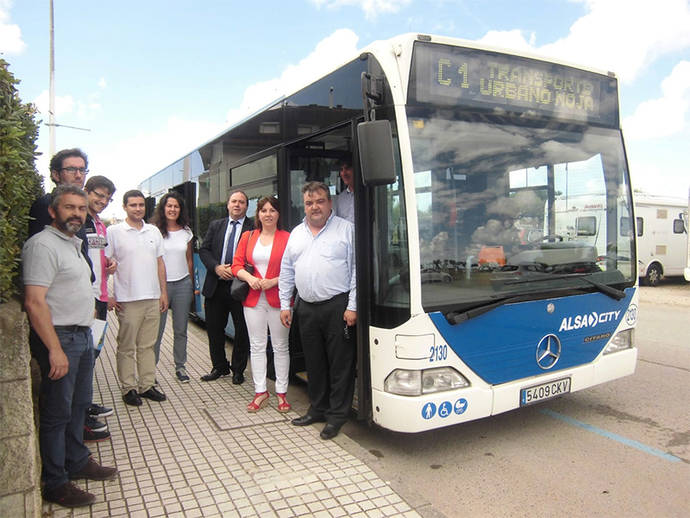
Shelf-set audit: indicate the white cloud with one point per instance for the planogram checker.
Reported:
(513, 40)
(667, 115)
(127, 162)
(624, 36)
(335, 48)
(63, 104)
(102, 83)
(10, 34)
(371, 8)
(81, 111)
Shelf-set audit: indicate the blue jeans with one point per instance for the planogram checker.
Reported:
(63, 404)
(180, 295)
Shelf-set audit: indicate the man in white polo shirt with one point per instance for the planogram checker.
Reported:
(140, 297)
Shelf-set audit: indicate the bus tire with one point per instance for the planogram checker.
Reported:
(654, 275)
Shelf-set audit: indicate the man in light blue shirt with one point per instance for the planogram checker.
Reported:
(319, 261)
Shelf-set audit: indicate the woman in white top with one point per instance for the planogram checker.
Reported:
(263, 249)
(171, 219)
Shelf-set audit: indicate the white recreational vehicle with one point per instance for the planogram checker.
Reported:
(662, 242)
(686, 273)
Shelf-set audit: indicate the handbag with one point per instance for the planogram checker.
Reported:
(239, 289)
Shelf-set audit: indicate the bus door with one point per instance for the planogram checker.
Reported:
(318, 158)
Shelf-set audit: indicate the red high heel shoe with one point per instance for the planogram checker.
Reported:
(283, 405)
(260, 400)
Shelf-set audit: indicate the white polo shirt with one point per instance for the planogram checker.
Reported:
(136, 252)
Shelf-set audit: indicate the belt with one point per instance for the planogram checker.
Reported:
(319, 302)
(72, 329)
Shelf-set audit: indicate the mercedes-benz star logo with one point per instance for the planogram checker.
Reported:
(548, 351)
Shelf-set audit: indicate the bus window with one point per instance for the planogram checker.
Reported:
(316, 159)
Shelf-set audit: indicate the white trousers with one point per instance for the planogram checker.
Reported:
(260, 319)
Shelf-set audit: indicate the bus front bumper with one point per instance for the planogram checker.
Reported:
(420, 413)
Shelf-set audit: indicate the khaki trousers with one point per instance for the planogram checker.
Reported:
(135, 340)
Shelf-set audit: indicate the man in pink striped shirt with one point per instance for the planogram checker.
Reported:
(99, 191)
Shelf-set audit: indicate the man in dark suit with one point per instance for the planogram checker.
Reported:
(216, 253)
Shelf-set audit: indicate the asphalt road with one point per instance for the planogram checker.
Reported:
(619, 449)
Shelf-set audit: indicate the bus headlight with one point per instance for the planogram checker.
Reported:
(622, 340)
(415, 382)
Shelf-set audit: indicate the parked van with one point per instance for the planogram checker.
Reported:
(662, 243)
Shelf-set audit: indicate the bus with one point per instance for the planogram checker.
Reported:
(470, 301)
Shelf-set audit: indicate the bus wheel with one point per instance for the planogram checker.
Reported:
(654, 275)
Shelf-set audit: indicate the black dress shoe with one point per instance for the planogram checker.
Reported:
(329, 431)
(214, 375)
(132, 398)
(306, 420)
(237, 379)
(153, 394)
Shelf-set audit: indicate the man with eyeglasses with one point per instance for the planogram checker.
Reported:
(67, 167)
(70, 167)
(99, 191)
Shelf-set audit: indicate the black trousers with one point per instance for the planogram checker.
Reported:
(329, 358)
(217, 309)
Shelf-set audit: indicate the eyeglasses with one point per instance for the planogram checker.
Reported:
(75, 170)
(102, 196)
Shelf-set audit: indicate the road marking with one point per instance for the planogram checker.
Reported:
(624, 440)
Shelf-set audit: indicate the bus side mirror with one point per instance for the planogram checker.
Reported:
(678, 226)
(376, 155)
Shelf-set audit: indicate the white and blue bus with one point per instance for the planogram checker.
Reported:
(470, 302)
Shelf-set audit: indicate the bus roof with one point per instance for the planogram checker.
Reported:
(401, 46)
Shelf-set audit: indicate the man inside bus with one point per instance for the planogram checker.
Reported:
(216, 253)
(319, 261)
(344, 203)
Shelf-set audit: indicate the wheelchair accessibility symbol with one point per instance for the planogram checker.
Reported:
(445, 409)
(460, 406)
(428, 410)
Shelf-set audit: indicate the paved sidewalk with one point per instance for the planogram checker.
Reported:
(202, 454)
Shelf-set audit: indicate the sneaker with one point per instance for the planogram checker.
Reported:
(93, 436)
(182, 375)
(153, 394)
(68, 495)
(94, 471)
(99, 410)
(94, 424)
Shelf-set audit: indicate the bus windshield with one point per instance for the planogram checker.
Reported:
(503, 202)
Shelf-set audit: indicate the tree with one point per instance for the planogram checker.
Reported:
(20, 183)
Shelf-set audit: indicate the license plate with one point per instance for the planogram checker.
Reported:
(544, 391)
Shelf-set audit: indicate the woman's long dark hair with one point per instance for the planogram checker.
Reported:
(273, 201)
(158, 217)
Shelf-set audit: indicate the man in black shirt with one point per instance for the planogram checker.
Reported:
(70, 167)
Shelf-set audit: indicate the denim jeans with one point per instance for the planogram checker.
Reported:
(180, 295)
(63, 404)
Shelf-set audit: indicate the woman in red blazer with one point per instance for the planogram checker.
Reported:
(263, 248)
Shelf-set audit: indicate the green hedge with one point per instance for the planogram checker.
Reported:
(20, 184)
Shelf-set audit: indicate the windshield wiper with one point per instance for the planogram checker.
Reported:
(455, 317)
(612, 292)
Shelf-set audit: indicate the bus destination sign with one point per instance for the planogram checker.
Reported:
(458, 76)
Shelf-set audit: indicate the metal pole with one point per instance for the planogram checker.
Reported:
(51, 95)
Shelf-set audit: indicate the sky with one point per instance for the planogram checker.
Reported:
(152, 80)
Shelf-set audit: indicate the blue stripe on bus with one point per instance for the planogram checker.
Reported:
(610, 435)
(501, 345)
